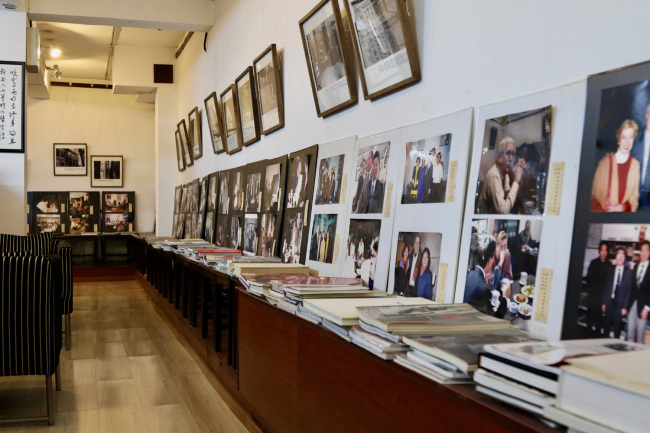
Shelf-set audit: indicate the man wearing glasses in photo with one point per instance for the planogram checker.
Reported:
(498, 195)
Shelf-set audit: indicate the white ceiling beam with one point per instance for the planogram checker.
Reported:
(195, 15)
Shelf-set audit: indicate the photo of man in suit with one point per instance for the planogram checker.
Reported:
(639, 303)
(375, 188)
(360, 200)
(415, 260)
(641, 152)
(616, 295)
(595, 279)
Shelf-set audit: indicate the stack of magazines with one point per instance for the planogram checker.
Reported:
(526, 374)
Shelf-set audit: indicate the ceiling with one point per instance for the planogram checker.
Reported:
(86, 50)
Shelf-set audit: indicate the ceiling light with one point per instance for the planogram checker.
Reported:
(55, 52)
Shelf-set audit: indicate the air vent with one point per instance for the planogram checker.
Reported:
(10, 6)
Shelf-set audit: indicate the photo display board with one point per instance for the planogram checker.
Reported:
(330, 209)
(47, 212)
(253, 182)
(119, 212)
(83, 212)
(211, 207)
(237, 185)
(297, 205)
(222, 219)
(371, 196)
(431, 180)
(270, 216)
(514, 254)
(178, 202)
(612, 212)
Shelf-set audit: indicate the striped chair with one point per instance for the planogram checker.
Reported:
(44, 244)
(30, 318)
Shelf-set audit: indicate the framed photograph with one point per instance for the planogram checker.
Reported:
(83, 208)
(194, 119)
(49, 223)
(178, 191)
(185, 142)
(212, 191)
(70, 159)
(230, 107)
(179, 151)
(237, 190)
(362, 250)
(292, 238)
(249, 120)
(215, 123)
(329, 61)
(203, 200)
(116, 222)
(250, 233)
(12, 116)
(269, 90)
(514, 164)
(385, 45)
(235, 232)
(117, 203)
(222, 231)
(300, 178)
(107, 171)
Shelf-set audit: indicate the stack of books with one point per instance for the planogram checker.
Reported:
(267, 268)
(526, 375)
(375, 344)
(605, 393)
(452, 358)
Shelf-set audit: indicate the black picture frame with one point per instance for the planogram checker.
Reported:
(195, 132)
(249, 118)
(232, 129)
(16, 127)
(270, 96)
(107, 171)
(70, 159)
(215, 123)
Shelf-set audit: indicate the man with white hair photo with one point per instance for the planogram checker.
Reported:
(498, 195)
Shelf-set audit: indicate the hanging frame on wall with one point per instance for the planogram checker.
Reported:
(329, 60)
(70, 159)
(194, 119)
(269, 90)
(107, 171)
(185, 142)
(12, 108)
(215, 123)
(249, 120)
(179, 150)
(385, 46)
(233, 139)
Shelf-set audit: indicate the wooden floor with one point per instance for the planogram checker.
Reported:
(126, 372)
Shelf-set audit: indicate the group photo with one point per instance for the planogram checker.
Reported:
(297, 182)
(502, 268)
(370, 179)
(615, 294)
(621, 180)
(330, 172)
(514, 165)
(416, 264)
(292, 238)
(266, 242)
(426, 170)
(361, 250)
(322, 238)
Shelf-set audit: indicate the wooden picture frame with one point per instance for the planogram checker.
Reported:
(215, 123)
(107, 171)
(195, 132)
(230, 106)
(270, 98)
(186, 145)
(332, 78)
(249, 118)
(179, 150)
(381, 68)
(70, 159)
(12, 117)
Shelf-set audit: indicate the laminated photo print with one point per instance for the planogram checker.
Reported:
(330, 173)
(426, 170)
(361, 250)
(416, 265)
(322, 238)
(370, 179)
(514, 165)
(292, 238)
(502, 268)
(267, 241)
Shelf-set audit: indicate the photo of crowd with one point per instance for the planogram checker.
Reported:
(425, 174)
(361, 250)
(116, 222)
(621, 181)
(322, 238)
(615, 293)
(330, 172)
(370, 178)
(116, 203)
(502, 268)
(514, 163)
(416, 264)
(48, 223)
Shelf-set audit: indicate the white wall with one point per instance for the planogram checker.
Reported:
(12, 165)
(110, 125)
(471, 52)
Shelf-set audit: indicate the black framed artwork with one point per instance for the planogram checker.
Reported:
(107, 171)
(12, 108)
(70, 159)
(269, 90)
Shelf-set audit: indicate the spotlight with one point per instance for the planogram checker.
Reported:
(55, 52)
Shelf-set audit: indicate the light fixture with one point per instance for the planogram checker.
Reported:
(55, 52)
(57, 71)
